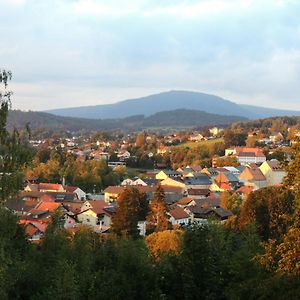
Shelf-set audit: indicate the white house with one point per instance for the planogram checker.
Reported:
(178, 216)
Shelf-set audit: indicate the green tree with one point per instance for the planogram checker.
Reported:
(234, 138)
(14, 154)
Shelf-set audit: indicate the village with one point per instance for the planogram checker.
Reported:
(194, 193)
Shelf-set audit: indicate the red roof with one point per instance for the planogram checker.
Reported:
(258, 152)
(185, 201)
(41, 226)
(245, 189)
(97, 206)
(50, 206)
(178, 213)
(70, 189)
(50, 186)
(30, 230)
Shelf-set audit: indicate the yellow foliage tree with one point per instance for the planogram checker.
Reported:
(164, 242)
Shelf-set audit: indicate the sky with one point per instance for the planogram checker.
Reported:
(66, 53)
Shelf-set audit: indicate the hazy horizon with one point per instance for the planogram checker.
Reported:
(70, 53)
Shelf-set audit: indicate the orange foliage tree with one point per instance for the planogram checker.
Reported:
(164, 242)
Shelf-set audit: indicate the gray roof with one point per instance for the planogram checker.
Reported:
(202, 179)
(172, 173)
(231, 177)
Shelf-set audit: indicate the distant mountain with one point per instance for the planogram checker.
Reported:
(176, 119)
(168, 101)
(265, 112)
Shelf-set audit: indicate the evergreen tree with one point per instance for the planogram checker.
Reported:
(157, 218)
(13, 153)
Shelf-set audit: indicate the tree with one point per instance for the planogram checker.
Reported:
(132, 207)
(157, 218)
(231, 201)
(14, 153)
(272, 210)
(141, 140)
(167, 242)
(234, 138)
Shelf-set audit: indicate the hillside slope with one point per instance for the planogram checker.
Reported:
(176, 118)
(168, 101)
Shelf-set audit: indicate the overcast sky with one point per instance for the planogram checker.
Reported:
(67, 53)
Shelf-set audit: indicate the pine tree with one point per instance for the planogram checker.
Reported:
(157, 219)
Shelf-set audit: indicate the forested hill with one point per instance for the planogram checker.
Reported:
(176, 118)
(171, 100)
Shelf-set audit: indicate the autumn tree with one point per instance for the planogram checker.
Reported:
(226, 161)
(231, 201)
(157, 218)
(141, 140)
(132, 206)
(272, 210)
(167, 242)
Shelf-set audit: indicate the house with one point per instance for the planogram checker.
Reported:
(44, 187)
(127, 181)
(178, 216)
(55, 189)
(81, 195)
(93, 213)
(246, 155)
(276, 137)
(69, 221)
(173, 182)
(245, 190)
(199, 181)
(172, 193)
(226, 181)
(164, 174)
(212, 201)
(273, 172)
(197, 137)
(100, 155)
(253, 176)
(35, 230)
(200, 214)
(232, 170)
(210, 172)
(63, 196)
(185, 201)
(139, 181)
(112, 193)
(196, 193)
(123, 155)
(215, 130)
(186, 172)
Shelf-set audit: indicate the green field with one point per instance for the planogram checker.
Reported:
(201, 143)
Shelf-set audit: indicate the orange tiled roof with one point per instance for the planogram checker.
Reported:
(50, 206)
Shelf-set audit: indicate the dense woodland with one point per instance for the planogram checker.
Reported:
(175, 119)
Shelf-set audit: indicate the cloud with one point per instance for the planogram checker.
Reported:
(75, 52)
